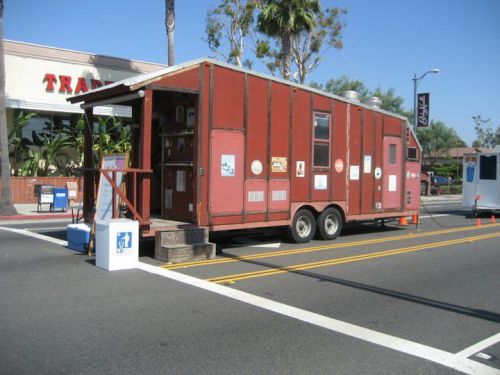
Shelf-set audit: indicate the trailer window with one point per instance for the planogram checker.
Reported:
(321, 122)
(412, 153)
(392, 154)
(488, 167)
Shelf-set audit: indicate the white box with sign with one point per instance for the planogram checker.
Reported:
(117, 244)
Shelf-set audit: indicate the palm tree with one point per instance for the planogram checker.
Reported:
(283, 19)
(6, 205)
(170, 26)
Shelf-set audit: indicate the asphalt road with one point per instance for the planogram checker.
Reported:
(378, 300)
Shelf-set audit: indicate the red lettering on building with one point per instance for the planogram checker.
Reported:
(96, 83)
(50, 79)
(81, 86)
(65, 84)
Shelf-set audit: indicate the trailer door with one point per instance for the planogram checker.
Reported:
(392, 169)
(487, 187)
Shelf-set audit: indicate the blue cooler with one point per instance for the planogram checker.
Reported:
(78, 236)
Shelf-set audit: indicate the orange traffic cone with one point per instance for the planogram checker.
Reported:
(493, 219)
(478, 222)
(402, 221)
(415, 219)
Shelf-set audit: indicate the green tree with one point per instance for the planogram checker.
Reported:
(170, 27)
(344, 83)
(436, 141)
(19, 145)
(310, 45)
(6, 204)
(486, 137)
(231, 21)
(284, 19)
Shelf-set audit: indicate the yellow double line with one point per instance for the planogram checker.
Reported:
(357, 258)
(321, 248)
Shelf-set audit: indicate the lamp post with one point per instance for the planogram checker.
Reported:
(415, 84)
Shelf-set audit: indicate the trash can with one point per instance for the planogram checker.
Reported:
(117, 244)
(60, 199)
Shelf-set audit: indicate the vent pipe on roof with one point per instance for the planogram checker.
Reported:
(351, 95)
(374, 102)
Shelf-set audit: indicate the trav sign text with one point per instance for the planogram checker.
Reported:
(66, 86)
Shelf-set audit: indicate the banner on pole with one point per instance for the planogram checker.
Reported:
(423, 109)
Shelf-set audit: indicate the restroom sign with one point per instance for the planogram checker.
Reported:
(123, 241)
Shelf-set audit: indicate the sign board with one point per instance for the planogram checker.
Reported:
(103, 207)
(423, 109)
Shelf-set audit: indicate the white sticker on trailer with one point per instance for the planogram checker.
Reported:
(354, 172)
(279, 195)
(393, 182)
(256, 196)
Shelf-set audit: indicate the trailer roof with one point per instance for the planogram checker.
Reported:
(141, 80)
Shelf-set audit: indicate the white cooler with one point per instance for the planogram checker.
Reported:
(117, 244)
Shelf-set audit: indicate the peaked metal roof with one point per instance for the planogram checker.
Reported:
(142, 80)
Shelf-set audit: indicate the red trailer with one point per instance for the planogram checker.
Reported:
(224, 148)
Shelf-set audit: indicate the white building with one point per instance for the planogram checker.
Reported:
(40, 78)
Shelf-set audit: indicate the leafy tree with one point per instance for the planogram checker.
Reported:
(170, 27)
(484, 133)
(309, 46)
(231, 21)
(284, 19)
(344, 83)
(6, 204)
(436, 140)
(19, 145)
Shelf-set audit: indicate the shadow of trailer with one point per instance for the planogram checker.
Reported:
(219, 148)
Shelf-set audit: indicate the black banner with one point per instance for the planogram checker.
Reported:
(423, 110)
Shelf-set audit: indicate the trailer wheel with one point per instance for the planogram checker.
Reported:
(329, 224)
(303, 226)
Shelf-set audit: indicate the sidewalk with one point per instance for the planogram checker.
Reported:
(29, 212)
(442, 197)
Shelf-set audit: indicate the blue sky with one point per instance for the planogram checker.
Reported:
(385, 43)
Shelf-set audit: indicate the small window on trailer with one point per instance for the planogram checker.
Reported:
(321, 139)
(392, 154)
(412, 153)
(488, 167)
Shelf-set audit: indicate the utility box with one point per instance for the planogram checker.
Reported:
(60, 199)
(117, 244)
(45, 195)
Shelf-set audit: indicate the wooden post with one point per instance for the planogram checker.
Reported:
(88, 164)
(145, 154)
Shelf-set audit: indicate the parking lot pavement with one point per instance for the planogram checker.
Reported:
(419, 310)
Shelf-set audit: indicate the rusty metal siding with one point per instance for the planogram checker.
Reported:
(301, 146)
(339, 150)
(354, 172)
(228, 105)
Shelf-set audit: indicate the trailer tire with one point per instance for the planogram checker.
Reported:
(329, 224)
(303, 226)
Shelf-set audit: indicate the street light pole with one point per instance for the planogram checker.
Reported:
(415, 84)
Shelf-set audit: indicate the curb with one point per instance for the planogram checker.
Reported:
(35, 217)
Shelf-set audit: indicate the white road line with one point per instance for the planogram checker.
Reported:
(429, 216)
(471, 350)
(36, 235)
(395, 343)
